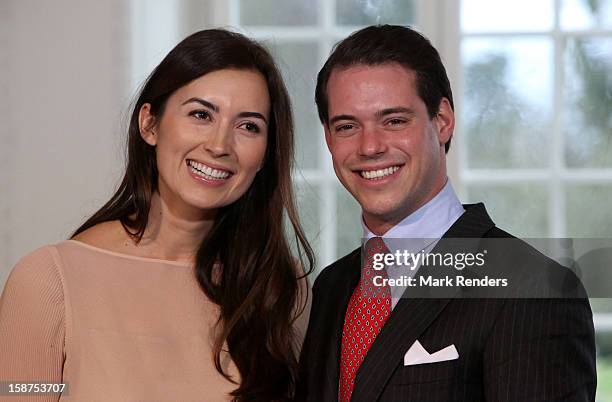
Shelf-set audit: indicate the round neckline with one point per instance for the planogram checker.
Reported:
(129, 256)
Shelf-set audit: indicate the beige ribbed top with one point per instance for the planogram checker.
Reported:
(114, 327)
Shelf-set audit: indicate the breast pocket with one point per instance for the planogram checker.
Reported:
(429, 372)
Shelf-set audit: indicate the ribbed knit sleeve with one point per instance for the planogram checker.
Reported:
(32, 324)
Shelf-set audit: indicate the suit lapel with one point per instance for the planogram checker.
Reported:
(387, 351)
(474, 223)
(410, 318)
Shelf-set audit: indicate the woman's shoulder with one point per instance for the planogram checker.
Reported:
(49, 260)
(37, 272)
(106, 235)
(33, 318)
(111, 240)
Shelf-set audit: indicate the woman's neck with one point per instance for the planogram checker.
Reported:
(171, 236)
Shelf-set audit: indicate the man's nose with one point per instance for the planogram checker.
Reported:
(371, 142)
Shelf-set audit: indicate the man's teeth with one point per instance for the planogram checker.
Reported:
(379, 174)
(206, 171)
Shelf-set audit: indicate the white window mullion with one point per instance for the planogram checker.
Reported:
(327, 209)
(234, 13)
(556, 197)
(603, 322)
(447, 39)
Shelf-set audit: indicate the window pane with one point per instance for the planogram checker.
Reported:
(278, 12)
(601, 305)
(368, 12)
(588, 210)
(520, 209)
(504, 15)
(603, 341)
(348, 222)
(588, 102)
(586, 14)
(299, 64)
(507, 101)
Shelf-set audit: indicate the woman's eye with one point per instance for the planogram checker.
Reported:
(200, 114)
(252, 127)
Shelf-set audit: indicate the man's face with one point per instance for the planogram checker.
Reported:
(386, 150)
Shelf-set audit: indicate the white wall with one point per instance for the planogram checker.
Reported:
(63, 82)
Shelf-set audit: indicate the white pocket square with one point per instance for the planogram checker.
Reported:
(418, 355)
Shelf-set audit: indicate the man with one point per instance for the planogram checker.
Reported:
(386, 105)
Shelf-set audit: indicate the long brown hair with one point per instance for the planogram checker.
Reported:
(255, 282)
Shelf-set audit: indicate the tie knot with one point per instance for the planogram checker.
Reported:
(372, 265)
(375, 245)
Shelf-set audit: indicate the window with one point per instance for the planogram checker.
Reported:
(535, 129)
(536, 132)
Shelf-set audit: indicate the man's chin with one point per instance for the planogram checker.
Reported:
(379, 214)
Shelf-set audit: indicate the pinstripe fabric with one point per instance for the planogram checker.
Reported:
(509, 349)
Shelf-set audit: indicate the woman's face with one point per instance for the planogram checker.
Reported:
(210, 140)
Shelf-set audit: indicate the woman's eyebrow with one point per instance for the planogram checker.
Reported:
(253, 114)
(215, 108)
(202, 102)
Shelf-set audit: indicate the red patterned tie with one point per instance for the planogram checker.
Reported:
(366, 314)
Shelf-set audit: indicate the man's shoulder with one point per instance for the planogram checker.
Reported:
(340, 269)
(535, 272)
(518, 248)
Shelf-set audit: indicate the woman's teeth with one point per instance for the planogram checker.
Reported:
(378, 174)
(207, 172)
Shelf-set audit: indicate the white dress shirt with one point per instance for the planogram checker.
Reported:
(420, 230)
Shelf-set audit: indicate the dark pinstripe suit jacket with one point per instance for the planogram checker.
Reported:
(509, 349)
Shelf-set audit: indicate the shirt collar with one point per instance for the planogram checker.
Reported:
(430, 221)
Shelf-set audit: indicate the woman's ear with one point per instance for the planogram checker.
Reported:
(146, 125)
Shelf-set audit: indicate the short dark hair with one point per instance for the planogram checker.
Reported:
(382, 44)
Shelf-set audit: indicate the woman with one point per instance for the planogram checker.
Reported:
(182, 287)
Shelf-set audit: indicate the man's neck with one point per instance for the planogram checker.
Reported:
(379, 225)
(430, 220)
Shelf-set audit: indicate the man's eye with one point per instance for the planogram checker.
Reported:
(345, 127)
(200, 114)
(395, 122)
(252, 127)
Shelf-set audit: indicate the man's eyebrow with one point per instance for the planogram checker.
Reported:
(202, 102)
(379, 114)
(341, 117)
(392, 110)
(253, 114)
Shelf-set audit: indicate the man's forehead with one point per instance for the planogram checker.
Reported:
(371, 87)
(374, 71)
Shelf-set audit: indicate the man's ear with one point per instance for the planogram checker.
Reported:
(445, 121)
(146, 125)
